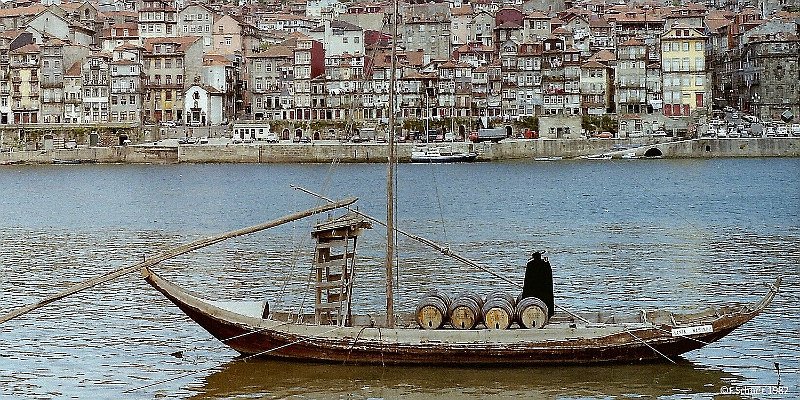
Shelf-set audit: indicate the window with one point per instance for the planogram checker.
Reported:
(699, 64)
(228, 40)
(698, 45)
(344, 39)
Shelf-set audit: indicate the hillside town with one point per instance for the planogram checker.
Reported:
(559, 69)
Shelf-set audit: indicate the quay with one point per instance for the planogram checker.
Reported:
(220, 150)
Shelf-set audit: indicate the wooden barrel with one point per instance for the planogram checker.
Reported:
(532, 313)
(432, 310)
(498, 310)
(465, 311)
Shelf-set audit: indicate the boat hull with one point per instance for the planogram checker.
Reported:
(570, 343)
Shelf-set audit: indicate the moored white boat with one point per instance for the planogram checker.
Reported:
(440, 154)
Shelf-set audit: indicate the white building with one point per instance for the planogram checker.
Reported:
(203, 105)
(339, 37)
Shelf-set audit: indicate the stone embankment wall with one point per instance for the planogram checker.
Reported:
(115, 154)
(325, 152)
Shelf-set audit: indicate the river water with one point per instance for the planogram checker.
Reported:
(622, 235)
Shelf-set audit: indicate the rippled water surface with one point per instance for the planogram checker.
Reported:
(621, 235)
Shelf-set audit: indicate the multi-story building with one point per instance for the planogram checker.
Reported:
(596, 88)
(197, 20)
(529, 79)
(52, 80)
(553, 76)
(684, 75)
(601, 35)
(510, 71)
(339, 37)
(769, 85)
(344, 76)
(120, 34)
(157, 18)
(73, 94)
(309, 63)
(24, 63)
(460, 22)
(126, 84)
(219, 73)
(655, 93)
(572, 81)
(483, 24)
(9, 40)
(271, 75)
(169, 64)
(427, 27)
(535, 27)
(631, 77)
(96, 83)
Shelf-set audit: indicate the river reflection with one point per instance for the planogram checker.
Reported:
(277, 379)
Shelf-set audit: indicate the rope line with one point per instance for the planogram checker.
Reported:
(648, 345)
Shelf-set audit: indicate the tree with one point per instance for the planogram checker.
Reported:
(531, 123)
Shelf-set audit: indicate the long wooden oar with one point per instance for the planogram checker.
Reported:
(174, 252)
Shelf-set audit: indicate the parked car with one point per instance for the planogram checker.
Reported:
(795, 129)
(272, 138)
(782, 131)
(305, 139)
(203, 140)
(168, 124)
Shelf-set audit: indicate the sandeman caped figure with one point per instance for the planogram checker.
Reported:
(539, 281)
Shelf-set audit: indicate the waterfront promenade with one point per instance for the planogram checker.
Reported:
(221, 150)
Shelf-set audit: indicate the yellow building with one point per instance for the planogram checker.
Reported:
(685, 82)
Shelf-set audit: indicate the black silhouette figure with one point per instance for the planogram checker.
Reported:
(539, 281)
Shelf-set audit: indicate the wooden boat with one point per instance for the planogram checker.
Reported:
(589, 339)
(440, 154)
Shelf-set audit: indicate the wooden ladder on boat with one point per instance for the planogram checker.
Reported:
(334, 262)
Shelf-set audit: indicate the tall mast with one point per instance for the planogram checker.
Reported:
(390, 178)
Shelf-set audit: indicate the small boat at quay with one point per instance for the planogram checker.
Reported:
(597, 157)
(440, 154)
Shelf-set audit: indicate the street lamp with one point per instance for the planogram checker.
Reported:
(757, 106)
